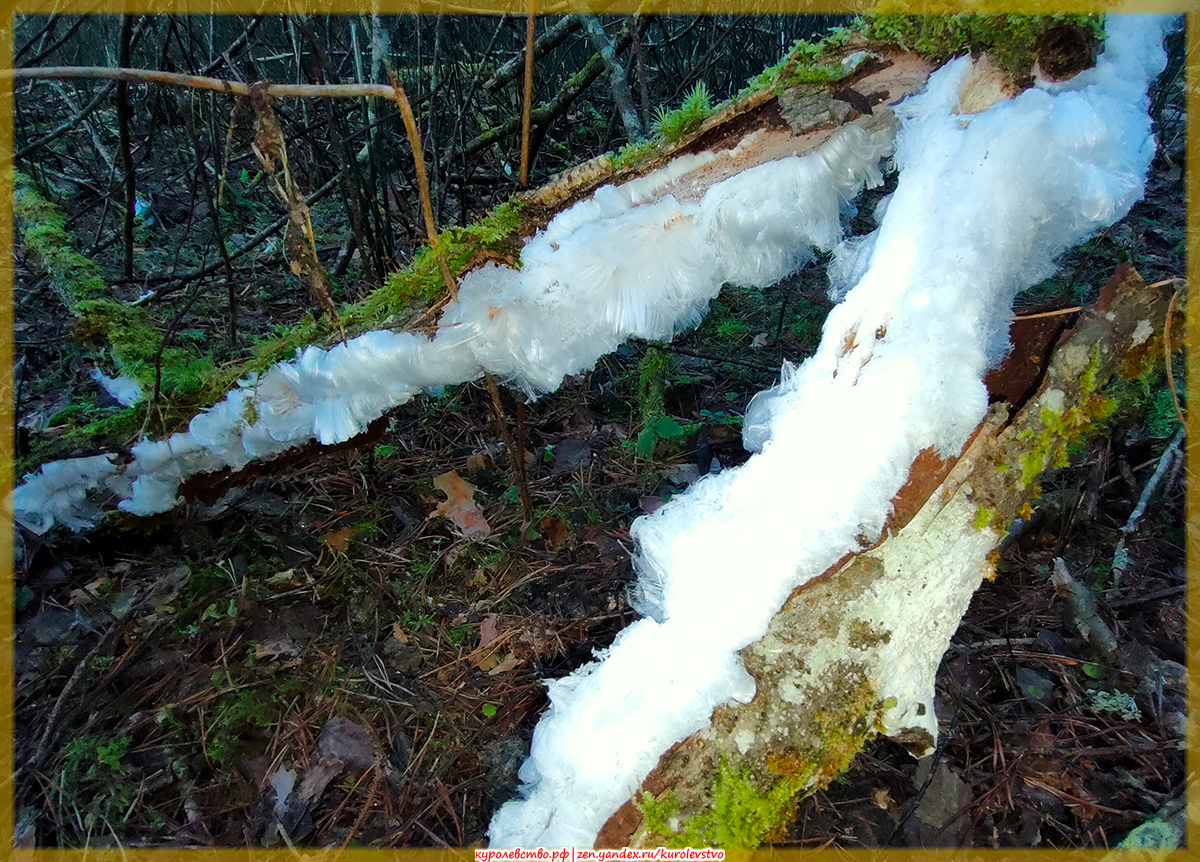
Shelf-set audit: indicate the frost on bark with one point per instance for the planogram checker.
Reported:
(854, 652)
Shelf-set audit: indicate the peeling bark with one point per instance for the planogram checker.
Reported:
(854, 652)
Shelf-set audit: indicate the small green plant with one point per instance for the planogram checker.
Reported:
(234, 716)
(732, 330)
(415, 621)
(95, 757)
(662, 428)
(670, 126)
(1161, 418)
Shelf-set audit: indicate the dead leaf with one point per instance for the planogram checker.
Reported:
(479, 461)
(318, 779)
(511, 662)
(554, 529)
(398, 633)
(489, 630)
(338, 540)
(284, 580)
(485, 661)
(283, 646)
(460, 507)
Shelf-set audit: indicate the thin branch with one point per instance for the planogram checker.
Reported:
(69, 125)
(234, 46)
(124, 115)
(202, 82)
(248, 246)
(557, 106)
(544, 44)
(414, 138)
(43, 54)
(527, 102)
(616, 78)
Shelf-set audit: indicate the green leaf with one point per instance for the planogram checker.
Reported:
(667, 428)
(489, 709)
(1095, 671)
(645, 442)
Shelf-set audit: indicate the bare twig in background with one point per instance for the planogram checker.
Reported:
(124, 116)
(202, 177)
(616, 76)
(414, 138)
(527, 102)
(517, 457)
(557, 106)
(549, 40)
(77, 117)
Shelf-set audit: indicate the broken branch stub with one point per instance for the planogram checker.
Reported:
(854, 652)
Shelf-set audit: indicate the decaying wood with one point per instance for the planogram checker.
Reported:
(783, 125)
(754, 126)
(853, 653)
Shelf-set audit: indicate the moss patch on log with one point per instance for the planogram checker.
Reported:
(1013, 41)
(115, 333)
(42, 228)
(747, 800)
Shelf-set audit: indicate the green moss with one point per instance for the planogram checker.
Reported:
(750, 804)
(652, 383)
(1060, 435)
(1087, 380)
(1009, 39)
(45, 240)
(810, 63)
(670, 126)
(633, 153)
(421, 283)
(189, 378)
(983, 517)
(742, 814)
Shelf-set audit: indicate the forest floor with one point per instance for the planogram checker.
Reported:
(326, 630)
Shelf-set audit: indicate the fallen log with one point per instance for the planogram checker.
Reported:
(853, 653)
(601, 300)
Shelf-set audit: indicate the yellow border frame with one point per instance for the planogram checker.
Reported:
(200, 7)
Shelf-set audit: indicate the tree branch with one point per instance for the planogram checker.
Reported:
(545, 43)
(202, 82)
(616, 78)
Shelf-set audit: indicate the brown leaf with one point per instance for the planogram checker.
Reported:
(489, 630)
(511, 662)
(283, 646)
(460, 507)
(485, 661)
(338, 540)
(479, 461)
(555, 530)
